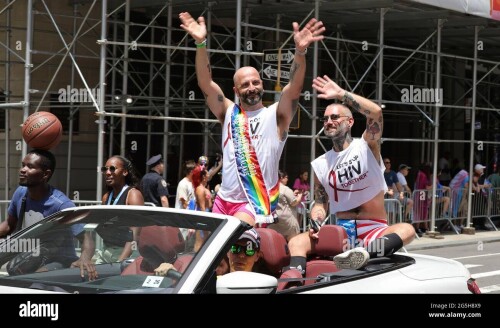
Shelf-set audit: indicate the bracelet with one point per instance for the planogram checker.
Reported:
(300, 53)
(202, 44)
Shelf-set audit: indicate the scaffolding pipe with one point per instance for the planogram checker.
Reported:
(71, 109)
(436, 127)
(102, 103)
(237, 63)
(472, 130)
(7, 99)
(168, 67)
(27, 68)
(126, 37)
(314, 128)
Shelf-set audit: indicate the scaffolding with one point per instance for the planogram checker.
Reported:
(381, 49)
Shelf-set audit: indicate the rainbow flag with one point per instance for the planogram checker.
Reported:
(250, 174)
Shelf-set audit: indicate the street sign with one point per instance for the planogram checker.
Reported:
(270, 72)
(272, 56)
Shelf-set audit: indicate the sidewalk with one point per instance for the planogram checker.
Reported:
(452, 239)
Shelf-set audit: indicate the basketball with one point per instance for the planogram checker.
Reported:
(42, 130)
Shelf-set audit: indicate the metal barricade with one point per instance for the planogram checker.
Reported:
(394, 211)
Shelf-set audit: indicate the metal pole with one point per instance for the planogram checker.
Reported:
(436, 126)
(7, 99)
(111, 136)
(472, 129)
(27, 67)
(102, 100)
(314, 106)
(125, 78)
(206, 131)
(248, 11)
(237, 62)
(380, 62)
(151, 94)
(166, 126)
(71, 109)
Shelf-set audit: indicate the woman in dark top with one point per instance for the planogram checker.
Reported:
(122, 185)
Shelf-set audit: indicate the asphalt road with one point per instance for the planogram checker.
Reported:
(482, 260)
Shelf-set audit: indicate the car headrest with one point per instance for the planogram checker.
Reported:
(331, 241)
(158, 244)
(274, 250)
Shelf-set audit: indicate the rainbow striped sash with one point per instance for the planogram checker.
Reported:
(249, 172)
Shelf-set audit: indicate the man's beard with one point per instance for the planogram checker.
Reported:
(254, 100)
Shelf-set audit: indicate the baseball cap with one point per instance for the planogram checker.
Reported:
(154, 160)
(479, 167)
(253, 236)
(404, 166)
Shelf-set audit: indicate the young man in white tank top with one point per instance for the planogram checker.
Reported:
(349, 181)
(267, 126)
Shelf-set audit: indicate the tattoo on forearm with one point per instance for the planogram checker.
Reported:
(293, 70)
(220, 98)
(320, 196)
(351, 102)
(373, 128)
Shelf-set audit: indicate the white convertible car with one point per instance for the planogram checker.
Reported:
(38, 259)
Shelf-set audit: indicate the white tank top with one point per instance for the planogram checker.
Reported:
(350, 177)
(264, 136)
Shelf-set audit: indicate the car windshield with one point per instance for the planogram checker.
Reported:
(127, 244)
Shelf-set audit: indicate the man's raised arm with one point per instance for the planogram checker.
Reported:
(289, 100)
(214, 96)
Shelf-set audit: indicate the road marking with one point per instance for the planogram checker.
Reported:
(468, 266)
(474, 256)
(486, 274)
(489, 289)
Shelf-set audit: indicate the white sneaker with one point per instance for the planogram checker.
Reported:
(353, 259)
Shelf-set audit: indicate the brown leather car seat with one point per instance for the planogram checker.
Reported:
(332, 241)
(274, 251)
(157, 244)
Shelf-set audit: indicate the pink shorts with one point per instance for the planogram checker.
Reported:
(224, 207)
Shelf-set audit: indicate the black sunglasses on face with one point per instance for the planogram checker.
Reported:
(333, 117)
(111, 169)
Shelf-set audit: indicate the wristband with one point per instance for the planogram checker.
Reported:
(202, 44)
(300, 53)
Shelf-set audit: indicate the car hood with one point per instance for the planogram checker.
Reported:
(431, 267)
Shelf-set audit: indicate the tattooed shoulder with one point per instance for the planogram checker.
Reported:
(220, 98)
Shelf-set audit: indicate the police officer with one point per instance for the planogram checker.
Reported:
(153, 186)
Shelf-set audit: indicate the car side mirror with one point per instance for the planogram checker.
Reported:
(242, 282)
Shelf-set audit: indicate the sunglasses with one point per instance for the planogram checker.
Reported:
(236, 249)
(111, 169)
(387, 162)
(333, 117)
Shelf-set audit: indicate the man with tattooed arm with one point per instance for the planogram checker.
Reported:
(349, 181)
